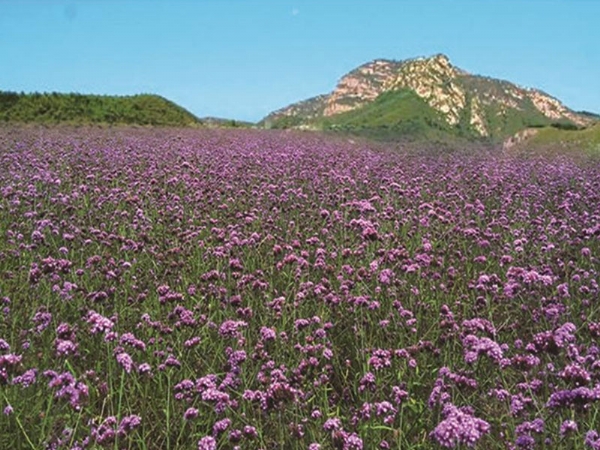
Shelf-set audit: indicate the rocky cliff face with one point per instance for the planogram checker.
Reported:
(554, 109)
(480, 103)
(434, 80)
(360, 86)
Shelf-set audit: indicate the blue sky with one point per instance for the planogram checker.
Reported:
(242, 59)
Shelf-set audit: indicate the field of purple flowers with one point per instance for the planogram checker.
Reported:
(211, 289)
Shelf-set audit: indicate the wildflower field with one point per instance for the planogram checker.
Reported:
(187, 289)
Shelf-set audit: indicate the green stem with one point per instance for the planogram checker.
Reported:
(119, 404)
(21, 426)
(168, 411)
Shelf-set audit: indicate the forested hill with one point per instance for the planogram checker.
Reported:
(52, 108)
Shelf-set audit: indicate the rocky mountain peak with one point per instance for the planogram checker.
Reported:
(439, 62)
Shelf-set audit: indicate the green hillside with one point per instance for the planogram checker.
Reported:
(501, 121)
(53, 108)
(587, 140)
(394, 113)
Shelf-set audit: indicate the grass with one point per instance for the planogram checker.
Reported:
(587, 139)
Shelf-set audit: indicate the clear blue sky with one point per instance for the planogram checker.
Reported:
(244, 58)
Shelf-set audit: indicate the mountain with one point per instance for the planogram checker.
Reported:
(52, 108)
(427, 96)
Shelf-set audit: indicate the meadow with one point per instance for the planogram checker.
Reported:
(204, 289)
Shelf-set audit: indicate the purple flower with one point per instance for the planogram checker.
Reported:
(385, 276)
(99, 323)
(535, 426)
(207, 443)
(474, 347)
(384, 407)
(576, 374)
(235, 435)
(332, 424)
(299, 324)
(523, 431)
(567, 427)
(367, 382)
(129, 423)
(67, 387)
(27, 379)
(250, 432)
(105, 432)
(192, 342)
(564, 334)
(581, 397)
(365, 410)
(525, 441)
(144, 368)
(353, 442)
(230, 328)
(130, 339)
(268, 334)
(563, 290)
(399, 395)
(9, 360)
(4, 345)
(190, 413)
(171, 361)
(221, 426)
(592, 439)
(8, 410)
(42, 320)
(237, 357)
(518, 403)
(459, 427)
(125, 361)
(65, 347)
(380, 359)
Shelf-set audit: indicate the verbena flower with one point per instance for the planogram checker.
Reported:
(581, 397)
(125, 361)
(458, 428)
(568, 426)
(27, 379)
(332, 424)
(129, 423)
(221, 426)
(207, 443)
(190, 413)
(592, 440)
